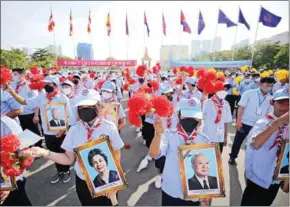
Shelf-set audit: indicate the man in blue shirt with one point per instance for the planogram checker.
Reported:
(245, 84)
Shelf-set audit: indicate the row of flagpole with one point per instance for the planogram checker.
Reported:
(267, 18)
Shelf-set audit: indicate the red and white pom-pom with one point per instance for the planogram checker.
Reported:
(155, 84)
(6, 76)
(134, 119)
(219, 86)
(141, 70)
(162, 106)
(139, 104)
(210, 76)
(209, 87)
(189, 70)
(200, 72)
(34, 70)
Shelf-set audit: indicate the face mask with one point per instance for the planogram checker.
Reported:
(247, 81)
(87, 114)
(106, 95)
(149, 85)
(266, 89)
(257, 79)
(66, 91)
(221, 94)
(75, 81)
(163, 79)
(48, 88)
(15, 78)
(141, 80)
(188, 124)
(170, 98)
(233, 76)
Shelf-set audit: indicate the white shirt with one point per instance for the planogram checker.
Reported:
(215, 131)
(79, 131)
(260, 163)
(169, 143)
(278, 86)
(88, 84)
(174, 121)
(41, 101)
(25, 92)
(78, 89)
(196, 93)
(201, 180)
(253, 101)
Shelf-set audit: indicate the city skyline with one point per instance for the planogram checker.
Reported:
(27, 15)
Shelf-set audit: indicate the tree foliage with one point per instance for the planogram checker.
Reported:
(14, 58)
(281, 59)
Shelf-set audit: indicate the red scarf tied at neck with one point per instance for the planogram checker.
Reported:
(51, 95)
(219, 105)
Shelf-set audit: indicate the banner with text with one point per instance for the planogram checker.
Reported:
(96, 63)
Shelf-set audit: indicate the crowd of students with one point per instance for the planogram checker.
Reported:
(259, 106)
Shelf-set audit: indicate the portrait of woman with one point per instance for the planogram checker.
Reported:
(99, 161)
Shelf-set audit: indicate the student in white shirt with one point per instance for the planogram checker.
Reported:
(167, 143)
(217, 116)
(191, 89)
(253, 105)
(17, 197)
(78, 87)
(88, 111)
(87, 82)
(67, 87)
(53, 140)
(264, 141)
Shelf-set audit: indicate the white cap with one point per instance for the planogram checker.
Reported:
(51, 79)
(88, 97)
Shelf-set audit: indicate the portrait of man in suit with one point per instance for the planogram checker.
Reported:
(56, 121)
(201, 178)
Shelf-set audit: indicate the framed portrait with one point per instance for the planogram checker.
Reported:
(282, 167)
(7, 183)
(201, 171)
(100, 166)
(111, 112)
(56, 117)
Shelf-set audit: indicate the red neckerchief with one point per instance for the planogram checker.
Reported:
(182, 132)
(51, 95)
(19, 87)
(71, 96)
(219, 106)
(169, 122)
(278, 139)
(90, 130)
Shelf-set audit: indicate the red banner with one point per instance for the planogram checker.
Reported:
(96, 63)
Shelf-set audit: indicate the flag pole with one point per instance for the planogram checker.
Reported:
(216, 28)
(54, 40)
(179, 37)
(235, 39)
(127, 38)
(162, 28)
(110, 52)
(144, 32)
(253, 49)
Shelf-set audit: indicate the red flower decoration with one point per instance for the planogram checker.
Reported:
(201, 83)
(126, 87)
(132, 81)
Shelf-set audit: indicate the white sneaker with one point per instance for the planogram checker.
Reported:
(138, 129)
(149, 158)
(158, 181)
(144, 142)
(143, 164)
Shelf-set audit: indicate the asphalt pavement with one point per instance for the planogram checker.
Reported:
(141, 190)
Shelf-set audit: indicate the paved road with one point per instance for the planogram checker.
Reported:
(141, 190)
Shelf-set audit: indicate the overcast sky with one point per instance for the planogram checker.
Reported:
(24, 24)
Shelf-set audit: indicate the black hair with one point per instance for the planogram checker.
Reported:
(65, 84)
(267, 80)
(18, 70)
(94, 152)
(163, 78)
(77, 77)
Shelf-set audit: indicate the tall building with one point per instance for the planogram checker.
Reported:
(85, 51)
(195, 48)
(217, 44)
(173, 52)
(51, 49)
(282, 38)
(240, 44)
(204, 46)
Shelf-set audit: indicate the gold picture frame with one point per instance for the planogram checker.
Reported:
(7, 183)
(191, 186)
(282, 155)
(63, 119)
(111, 187)
(111, 109)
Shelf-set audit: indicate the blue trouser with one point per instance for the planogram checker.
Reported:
(239, 138)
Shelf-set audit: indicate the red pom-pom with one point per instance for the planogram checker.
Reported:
(158, 65)
(141, 70)
(201, 83)
(176, 71)
(209, 87)
(200, 72)
(9, 143)
(156, 70)
(139, 104)
(61, 79)
(134, 119)
(34, 70)
(36, 85)
(178, 81)
(219, 86)
(155, 84)
(44, 71)
(6, 76)
(13, 171)
(162, 106)
(127, 146)
(92, 75)
(70, 77)
(190, 71)
(210, 76)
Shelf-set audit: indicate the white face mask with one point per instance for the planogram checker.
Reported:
(106, 95)
(221, 94)
(257, 79)
(66, 91)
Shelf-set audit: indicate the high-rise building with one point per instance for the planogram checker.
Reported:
(217, 44)
(240, 44)
(195, 47)
(85, 51)
(51, 49)
(173, 52)
(201, 46)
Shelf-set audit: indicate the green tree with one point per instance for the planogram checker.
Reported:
(243, 53)
(281, 59)
(14, 58)
(63, 57)
(264, 55)
(43, 58)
